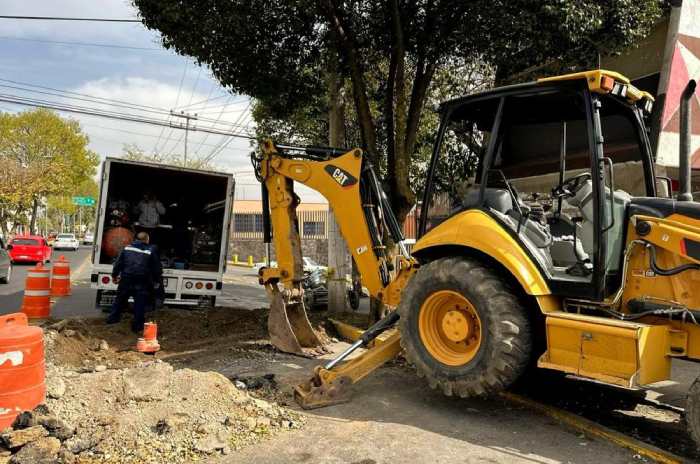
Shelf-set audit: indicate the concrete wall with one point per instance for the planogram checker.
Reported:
(314, 249)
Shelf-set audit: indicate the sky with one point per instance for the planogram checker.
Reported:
(124, 62)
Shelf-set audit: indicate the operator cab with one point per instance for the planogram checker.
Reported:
(557, 163)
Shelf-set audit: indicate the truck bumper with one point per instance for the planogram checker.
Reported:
(180, 290)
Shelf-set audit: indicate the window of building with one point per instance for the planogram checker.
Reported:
(247, 222)
(313, 228)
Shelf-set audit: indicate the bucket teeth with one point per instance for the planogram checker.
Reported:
(289, 327)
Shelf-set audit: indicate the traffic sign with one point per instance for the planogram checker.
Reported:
(84, 201)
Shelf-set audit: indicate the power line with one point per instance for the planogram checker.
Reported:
(119, 116)
(100, 100)
(141, 134)
(62, 18)
(84, 44)
(68, 92)
(90, 100)
(177, 99)
(204, 101)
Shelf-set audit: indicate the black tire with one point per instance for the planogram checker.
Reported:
(354, 299)
(8, 276)
(506, 344)
(692, 412)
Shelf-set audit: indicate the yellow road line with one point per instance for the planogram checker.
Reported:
(591, 428)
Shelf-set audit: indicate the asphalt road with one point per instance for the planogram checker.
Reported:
(81, 299)
(240, 289)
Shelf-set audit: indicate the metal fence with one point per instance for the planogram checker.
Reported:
(313, 225)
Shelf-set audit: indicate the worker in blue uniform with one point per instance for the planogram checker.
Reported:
(136, 271)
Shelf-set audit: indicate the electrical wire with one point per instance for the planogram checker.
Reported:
(235, 123)
(63, 18)
(102, 99)
(141, 134)
(123, 117)
(94, 99)
(84, 44)
(177, 99)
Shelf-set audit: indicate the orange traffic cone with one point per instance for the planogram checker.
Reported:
(60, 279)
(149, 342)
(36, 303)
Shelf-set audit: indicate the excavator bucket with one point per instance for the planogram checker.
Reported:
(289, 327)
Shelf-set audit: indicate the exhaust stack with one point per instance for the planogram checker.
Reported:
(684, 173)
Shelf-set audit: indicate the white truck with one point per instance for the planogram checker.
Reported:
(191, 229)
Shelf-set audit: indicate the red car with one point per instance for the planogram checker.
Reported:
(29, 248)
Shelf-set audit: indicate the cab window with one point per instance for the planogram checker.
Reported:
(455, 169)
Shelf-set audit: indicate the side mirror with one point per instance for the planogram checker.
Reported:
(9, 247)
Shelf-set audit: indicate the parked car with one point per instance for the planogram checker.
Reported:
(310, 265)
(29, 249)
(5, 263)
(89, 238)
(67, 242)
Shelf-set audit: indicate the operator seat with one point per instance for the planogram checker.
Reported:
(583, 200)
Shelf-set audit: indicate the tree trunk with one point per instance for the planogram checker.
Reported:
(337, 249)
(32, 220)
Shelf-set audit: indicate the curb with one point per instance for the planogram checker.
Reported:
(593, 429)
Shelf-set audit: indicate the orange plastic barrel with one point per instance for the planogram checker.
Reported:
(22, 370)
(60, 277)
(36, 303)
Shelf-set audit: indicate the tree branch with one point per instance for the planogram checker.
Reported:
(346, 44)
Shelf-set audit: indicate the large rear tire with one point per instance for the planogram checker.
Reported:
(463, 328)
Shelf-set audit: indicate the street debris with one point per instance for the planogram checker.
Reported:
(105, 405)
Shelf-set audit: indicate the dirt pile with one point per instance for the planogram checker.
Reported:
(107, 405)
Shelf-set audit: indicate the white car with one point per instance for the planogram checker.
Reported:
(67, 242)
(88, 238)
(310, 265)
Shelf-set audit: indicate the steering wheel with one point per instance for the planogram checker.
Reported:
(568, 188)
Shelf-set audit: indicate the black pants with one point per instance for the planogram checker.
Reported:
(141, 289)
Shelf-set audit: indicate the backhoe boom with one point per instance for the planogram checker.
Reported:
(362, 213)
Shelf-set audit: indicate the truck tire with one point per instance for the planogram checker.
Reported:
(463, 328)
(692, 412)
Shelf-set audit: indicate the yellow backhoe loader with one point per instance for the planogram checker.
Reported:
(545, 239)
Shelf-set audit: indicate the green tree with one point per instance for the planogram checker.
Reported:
(391, 52)
(62, 206)
(45, 155)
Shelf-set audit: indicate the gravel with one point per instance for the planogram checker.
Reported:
(108, 406)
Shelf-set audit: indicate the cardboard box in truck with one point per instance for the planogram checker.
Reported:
(187, 214)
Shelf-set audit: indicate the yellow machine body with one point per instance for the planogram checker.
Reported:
(585, 338)
(476, 230)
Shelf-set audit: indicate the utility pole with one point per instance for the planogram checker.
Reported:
(337, 250)
(188, 117)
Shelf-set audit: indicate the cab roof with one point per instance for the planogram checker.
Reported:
(599, 81)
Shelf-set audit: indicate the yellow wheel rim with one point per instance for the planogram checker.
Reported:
(450, 328)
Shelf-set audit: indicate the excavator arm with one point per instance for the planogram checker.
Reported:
(362, 212)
